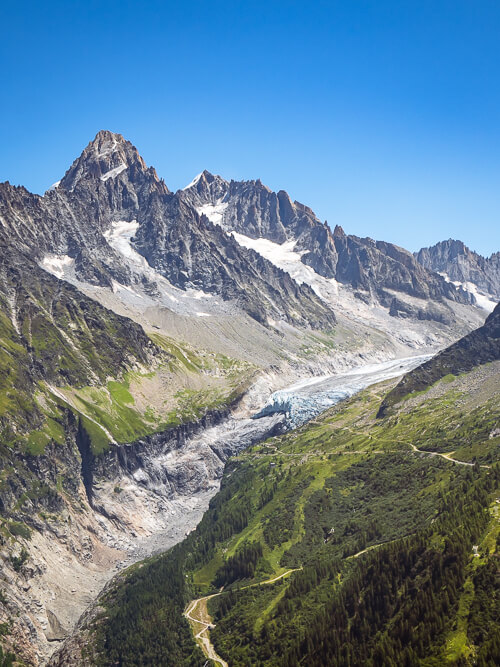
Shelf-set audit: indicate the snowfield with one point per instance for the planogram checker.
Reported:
(214, 212)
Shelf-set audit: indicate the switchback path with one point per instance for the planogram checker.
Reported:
(197, 614)
(201, 622)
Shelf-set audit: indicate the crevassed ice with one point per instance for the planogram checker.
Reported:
(308, 398)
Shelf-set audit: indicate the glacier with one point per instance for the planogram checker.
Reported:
(305, 400)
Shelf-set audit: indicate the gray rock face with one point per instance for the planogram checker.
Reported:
(109, 182)
(463, 265)
(250, 208)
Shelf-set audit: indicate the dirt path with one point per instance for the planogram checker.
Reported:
(201, 622)
(197, 614)
(447, 457)
(271, 581)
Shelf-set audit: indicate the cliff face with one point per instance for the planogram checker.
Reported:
(109, 184)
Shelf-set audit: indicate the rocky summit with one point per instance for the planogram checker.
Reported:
(462, 266)
(110, 184)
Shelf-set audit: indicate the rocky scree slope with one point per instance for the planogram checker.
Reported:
(110, 183)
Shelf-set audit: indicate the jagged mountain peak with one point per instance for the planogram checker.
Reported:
(206, 188)
(109, 196)
(204, 178)
(460, 264)
(252, 210)
(453, 247)
(104, 137)
(107, 156)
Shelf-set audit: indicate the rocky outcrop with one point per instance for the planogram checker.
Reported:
(110, 182)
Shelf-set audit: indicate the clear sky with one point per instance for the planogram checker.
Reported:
(383, 116)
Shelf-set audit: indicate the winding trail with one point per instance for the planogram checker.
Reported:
(201, 622)
(447, 457)
(197, 614)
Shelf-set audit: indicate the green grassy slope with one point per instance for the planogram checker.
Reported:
(383, 534)
(61, 351)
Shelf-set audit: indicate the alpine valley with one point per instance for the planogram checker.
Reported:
(232, 435)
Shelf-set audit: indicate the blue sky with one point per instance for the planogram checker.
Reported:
(382, 116)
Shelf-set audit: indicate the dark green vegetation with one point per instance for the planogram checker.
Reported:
(479, 347)
(394, 605)
(383, 535)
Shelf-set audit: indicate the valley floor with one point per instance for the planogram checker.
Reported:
(305, 529)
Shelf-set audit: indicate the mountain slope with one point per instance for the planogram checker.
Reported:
(481, 346)
(249, 208)
(110, 184)
(85, 396)
(131, 325)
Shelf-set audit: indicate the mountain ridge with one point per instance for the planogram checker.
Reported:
(110, 182)
(481, 346)
(252, 209)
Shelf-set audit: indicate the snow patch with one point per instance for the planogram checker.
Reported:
(113, 172)
(285, 257)
(57, 265)
(484, 301)
(119, 236)
(214, 212)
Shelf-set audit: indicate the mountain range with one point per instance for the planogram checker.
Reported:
(142, 329)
